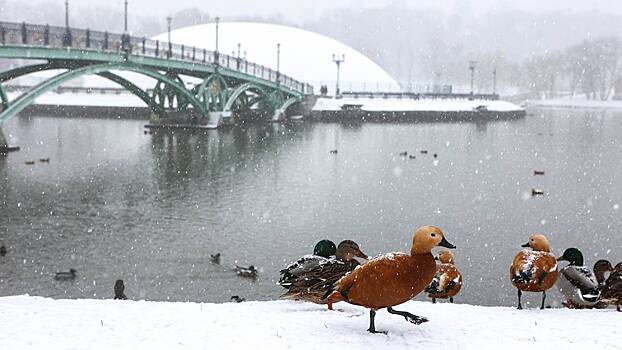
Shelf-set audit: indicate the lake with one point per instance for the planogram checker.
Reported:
(115, 203)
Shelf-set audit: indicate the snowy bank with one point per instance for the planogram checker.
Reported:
(412, 105)
(575, 103)
(41, 323)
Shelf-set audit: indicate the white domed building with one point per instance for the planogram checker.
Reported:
(305, 56)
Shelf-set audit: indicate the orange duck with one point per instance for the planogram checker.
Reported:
(392, 279)
(534, 270)
(448, 281)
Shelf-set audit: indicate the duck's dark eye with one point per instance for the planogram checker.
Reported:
(433, 235)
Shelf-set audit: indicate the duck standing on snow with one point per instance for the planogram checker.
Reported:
(612, 290)
(392, 279)
(534, 270)
(601, 267)
(576, 282)
(322, 251)
(119, 290)
(311, 281)
(66, 276)
(448, 281)
(248, 272)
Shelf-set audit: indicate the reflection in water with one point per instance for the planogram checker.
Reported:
(114, 203)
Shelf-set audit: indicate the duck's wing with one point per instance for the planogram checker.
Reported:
(447, 278)
(613, 287)
(301, 267)
(322, 275)
(580, 276)
(532, 266)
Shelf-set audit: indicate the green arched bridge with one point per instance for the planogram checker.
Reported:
(223, 85)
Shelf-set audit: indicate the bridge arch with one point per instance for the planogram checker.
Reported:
(52, 65)
(213, 91)
(28, 98)
(242, 89)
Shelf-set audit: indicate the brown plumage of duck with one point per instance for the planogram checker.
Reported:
(448, 281)
(534, 270)
(612, 289)
(312, 283)
(392, 279)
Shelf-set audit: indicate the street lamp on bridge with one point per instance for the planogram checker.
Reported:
(278, 63)
(126, 44)
(216, 57)
(472, 69)
(494, 81)
(338, 61)
(67, 36)
(169, 19)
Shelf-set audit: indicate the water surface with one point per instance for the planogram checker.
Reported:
(116, 203)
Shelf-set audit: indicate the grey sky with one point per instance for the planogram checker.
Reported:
(298, 10)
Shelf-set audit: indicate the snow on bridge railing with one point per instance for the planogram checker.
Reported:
(22, 34)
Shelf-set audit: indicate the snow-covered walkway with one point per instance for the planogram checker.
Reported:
(41, 323)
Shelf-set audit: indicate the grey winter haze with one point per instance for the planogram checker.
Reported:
(424, 41)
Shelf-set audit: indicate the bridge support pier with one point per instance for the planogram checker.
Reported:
(278, 115)
(218, 118)
(4, 147)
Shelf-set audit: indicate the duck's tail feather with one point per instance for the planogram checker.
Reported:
(329, 289)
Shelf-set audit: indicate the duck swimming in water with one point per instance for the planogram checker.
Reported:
(612, 290)
(66, 276)
(534, 270)
(311, 281)
(448, 281)
(215, 258)
(577, 282)
(248, 272)
(119, 290)
(392, 279)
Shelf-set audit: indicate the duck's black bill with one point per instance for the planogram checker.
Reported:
(526, 245)
(446, 244)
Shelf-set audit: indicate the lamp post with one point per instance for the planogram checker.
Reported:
(126, 44)
(216, 57)
(278, 63)
(338, 61)
(125, 19)
(169, 19)
(472, 69)
(494, 81)
(67, 36)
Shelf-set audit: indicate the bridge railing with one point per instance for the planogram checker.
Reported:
(22, 34)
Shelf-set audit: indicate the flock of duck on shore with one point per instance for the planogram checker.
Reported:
(344, 273)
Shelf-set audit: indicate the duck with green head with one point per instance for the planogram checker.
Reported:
(576, 281)
(322, 251)
(310, 281)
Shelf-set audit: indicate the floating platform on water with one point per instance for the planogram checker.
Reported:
(8, 149)
(179, 126)
(402, 109)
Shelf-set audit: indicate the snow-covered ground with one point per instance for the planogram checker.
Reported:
(326, 104)
(84, 99)
(406, 104)
(576, 103)
(41, 323)
(304, 55)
